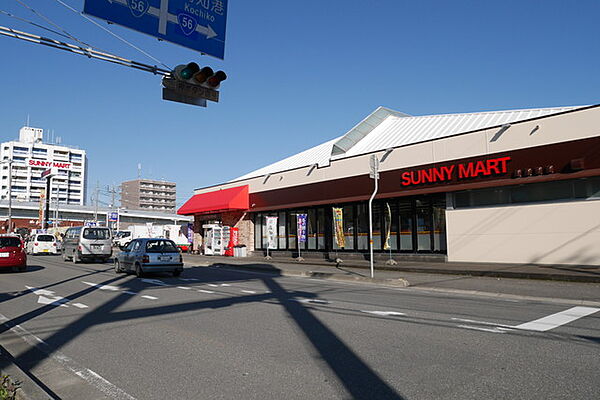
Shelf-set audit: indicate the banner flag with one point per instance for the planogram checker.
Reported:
(388, 225)
(272, 232)
(338, 219)
(301, 224)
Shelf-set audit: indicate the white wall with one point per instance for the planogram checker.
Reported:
(549, 233)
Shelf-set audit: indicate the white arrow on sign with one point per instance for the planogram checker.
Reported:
(164, 16)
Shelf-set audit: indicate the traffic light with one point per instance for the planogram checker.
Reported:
(193, 74)
(191, 84)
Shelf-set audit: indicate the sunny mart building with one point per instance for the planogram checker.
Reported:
(516, 186)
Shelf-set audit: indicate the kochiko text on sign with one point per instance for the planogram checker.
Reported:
(49, 164)
(473, 169)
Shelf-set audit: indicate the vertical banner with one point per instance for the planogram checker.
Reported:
(190, 232)
(271, 232)
(42, 201)
(338, 220)
(301, 224)
(388, 226)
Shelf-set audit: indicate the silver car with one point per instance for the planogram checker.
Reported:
(150, 255)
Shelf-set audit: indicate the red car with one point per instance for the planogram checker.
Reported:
(12, 253)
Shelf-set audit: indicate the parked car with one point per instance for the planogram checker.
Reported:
(12, 253)
(84, 243)
(41, 243)
(150, 255)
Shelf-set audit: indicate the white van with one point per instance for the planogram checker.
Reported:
(84, 243)
(41, 243)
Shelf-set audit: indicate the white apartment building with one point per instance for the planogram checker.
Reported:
(31, 156)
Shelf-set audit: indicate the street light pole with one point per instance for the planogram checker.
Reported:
(9, 195)
(9, 162)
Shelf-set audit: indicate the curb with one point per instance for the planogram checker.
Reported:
(399, 282)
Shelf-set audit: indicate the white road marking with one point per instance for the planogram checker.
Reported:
(472, 321)
(384, 313)
(54, 301)
(249, 291)
(311, 301)
(149, 297)
(183, 287)
(213, 285)
(79, 305)
(155, 282)
(102, 287)
(558, 319)
(225, 284)
(479, 328)
(40, 292)
(205, 291)
(86, 374)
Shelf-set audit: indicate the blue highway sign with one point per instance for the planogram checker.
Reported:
(196, 24)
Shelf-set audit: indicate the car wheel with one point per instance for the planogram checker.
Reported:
(118, 268)
(139, 271)
(177, 272)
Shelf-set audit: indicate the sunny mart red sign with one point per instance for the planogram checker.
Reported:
(458, 171)
(48, 164)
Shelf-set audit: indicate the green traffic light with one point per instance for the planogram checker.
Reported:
(189, 70)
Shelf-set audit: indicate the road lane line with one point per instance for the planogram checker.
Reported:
(102, 287)
(91, 377)
(479, 328)
(79, 305)
(558, 319)
(249, 291)
(205, 291)
(184, 287)
(149, 297)
(473, 321)
(384, 313)
(155, 282)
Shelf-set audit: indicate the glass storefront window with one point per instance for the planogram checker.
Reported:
(257, 231)
(376, 225)
(292, 230)
(362, 226)
(405, 212)
(439, 224)
(321, 229)
(281, 230)
(424, 225)
(311, 229)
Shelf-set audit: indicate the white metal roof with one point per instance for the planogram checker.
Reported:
(385, 128)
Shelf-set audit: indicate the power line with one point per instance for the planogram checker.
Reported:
(112, 33)
(51, 22)
(88, 52)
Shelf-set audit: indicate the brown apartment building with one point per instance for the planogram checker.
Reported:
(146, 194)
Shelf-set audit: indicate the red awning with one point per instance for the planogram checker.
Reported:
(221, 200)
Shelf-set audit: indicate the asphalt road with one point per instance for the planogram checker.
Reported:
(81, 331)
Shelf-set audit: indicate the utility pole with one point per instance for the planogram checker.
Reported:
(374, 161)
(96, 202)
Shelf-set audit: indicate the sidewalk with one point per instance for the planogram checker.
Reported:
(556, 284)
(588, 274)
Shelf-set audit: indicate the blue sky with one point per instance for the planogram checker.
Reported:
(299, 73)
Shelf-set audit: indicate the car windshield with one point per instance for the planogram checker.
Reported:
(45, 238)
(95, 233)
(161, 246)
(10, 242)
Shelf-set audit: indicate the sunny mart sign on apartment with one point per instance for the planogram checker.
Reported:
(49, 164)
